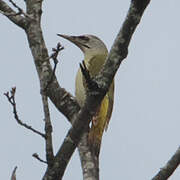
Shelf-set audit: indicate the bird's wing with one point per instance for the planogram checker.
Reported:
(110, 95)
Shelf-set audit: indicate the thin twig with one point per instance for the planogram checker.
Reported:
(48, 126)
(169, 168)
(20, 11)
(36, 156)
(48, 131)
(54, 56)
(11, 99)
(13, 176)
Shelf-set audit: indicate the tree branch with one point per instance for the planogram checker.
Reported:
(48, 131)
(71, 140)
(54, 56)
(36, 156)
(48, 125)
(89, 163)
(11, 99)
(169, 168)
(117, 54)
(119, 50)
(13, 176)
(63, 100)
(13, 16)
(20, 10)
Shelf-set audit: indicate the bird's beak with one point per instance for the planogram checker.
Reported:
(75, 40)
(70, 38)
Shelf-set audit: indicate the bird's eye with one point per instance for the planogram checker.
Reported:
(84, 38)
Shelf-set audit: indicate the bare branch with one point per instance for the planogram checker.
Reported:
(11, 99)
(36, 156)
(11, 14)
(13, 176)
(15, 17)
(48, 125)
(15, 5)
(48, 131)
(54, 56)
(169, 168)
(20, 10)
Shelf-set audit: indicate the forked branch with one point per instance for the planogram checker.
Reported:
(15, 17)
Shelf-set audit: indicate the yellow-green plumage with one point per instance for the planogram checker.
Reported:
(95, 53)
(103, 115)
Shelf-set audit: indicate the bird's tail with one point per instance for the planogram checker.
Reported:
(97, 128)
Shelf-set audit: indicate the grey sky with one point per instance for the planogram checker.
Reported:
(144, 129)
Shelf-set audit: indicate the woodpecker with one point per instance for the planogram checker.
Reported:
(95, 53)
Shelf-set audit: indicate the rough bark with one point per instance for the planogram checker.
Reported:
(9, 13)
(169, 168)
(89, 163)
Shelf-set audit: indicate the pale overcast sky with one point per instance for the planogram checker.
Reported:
(144, 129)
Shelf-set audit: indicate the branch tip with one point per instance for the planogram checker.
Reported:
(11, 99)
(54, 56)
(36, 156)
(13, 176)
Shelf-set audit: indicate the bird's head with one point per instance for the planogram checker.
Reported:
(89, 44)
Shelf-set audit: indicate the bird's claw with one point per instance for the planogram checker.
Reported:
(92, 85)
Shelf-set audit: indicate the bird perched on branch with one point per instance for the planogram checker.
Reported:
(95, 53)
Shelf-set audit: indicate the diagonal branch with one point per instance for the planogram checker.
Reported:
(13, 176)
(169, 168)
(13, 16)
(72, 139)
(11, 99)
(118, 52)
(20, 10)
